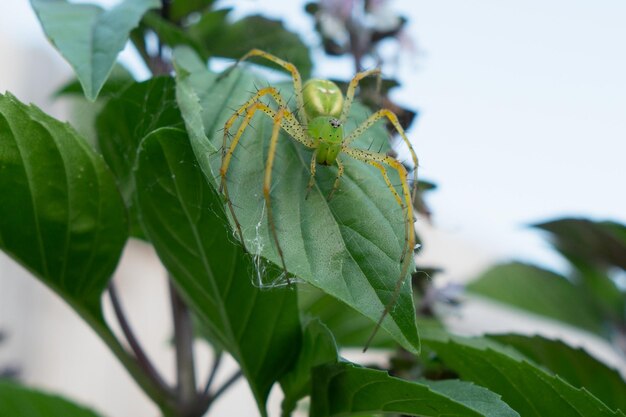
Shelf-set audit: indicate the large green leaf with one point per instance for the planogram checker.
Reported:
(183, 217)
(530, 390)
(89, 37)
(541, 292)
(18, 401)
(349, 247)
(574, 365)
(347, 390)
(61, 215)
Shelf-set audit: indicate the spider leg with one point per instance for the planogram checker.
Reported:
(340, 170)
(312, 179)
(288, 66)
(370, 157)
(267, 181)
(407, 225)
(352, 90)
(289, 122)
(227, 154)
(380, 114)
(383, 172)
(228, 151)
(337, 178)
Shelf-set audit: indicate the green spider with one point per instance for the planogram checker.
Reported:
(318, 125)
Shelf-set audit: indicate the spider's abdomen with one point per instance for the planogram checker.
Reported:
(322, 98)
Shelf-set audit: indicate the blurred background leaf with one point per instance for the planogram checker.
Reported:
(574, 365)
(68, 25)
(18, 401)
(540, 291)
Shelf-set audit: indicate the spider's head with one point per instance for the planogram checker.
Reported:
(326, 129)
(322, 98)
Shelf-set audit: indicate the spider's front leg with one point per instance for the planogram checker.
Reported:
(288, 66)
(290, 123)
(267, 182)
(277, 117)
(282, 119)
(227, 154)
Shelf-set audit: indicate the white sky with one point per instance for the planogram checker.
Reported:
(522, 108)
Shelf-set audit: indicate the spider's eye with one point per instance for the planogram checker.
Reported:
(335, 123)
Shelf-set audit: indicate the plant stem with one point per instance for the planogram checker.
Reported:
(214, 368)
(142, 359)
(183, 340)
(161, 396)
(230, 381)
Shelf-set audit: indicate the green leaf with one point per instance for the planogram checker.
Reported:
(348, 327)
(541, 292)
(61, 215)
(602, 243)
(528, 389)
(318, 347)
(118, 80)
(574, 365)
(344, 389)
(169, 33)
(89, 37)
(234, 40)
(594, 249)
(349, 247)
(183, 217)
(128, 117)
(18, 401)
(180, 9)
